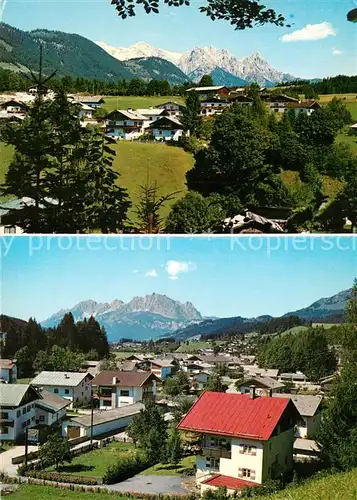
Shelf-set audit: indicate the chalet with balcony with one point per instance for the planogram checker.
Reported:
(14, 107)
(17, 411)
(125, 124)
(171, 108)
(245, 439)
(305, 107)
(8, 371)
(166, 129)
(309, 408)
(114, 389)
(213, 106)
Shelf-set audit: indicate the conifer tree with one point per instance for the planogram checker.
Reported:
(191, 118)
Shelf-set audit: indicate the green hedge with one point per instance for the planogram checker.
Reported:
(126, 467)
(63, 478)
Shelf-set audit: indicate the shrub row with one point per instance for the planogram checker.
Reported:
(126, 467)
(63, 478)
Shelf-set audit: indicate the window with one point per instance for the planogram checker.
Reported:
(23, 411)
(4, 430)
(124, 393)
(42, 418)
(212, 463)
(55, 390)
(216, 442)
(33, 418)
(5, 415)
(28, 422)
(28, 409)
(107, 403)
(247, 449)
(18, 414)
(9, 230)
(248, 473)
(66, 391)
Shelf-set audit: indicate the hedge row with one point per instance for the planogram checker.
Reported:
(126, 467)
(63, 478)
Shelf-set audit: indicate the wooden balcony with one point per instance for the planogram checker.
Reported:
(216, 453)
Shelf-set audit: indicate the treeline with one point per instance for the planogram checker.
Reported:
(16, 82)
(340, 84)
(62, 348)
(307, 351)
(279, 325)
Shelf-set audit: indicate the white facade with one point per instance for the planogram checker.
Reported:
(167, 134)
(9, 375)
(247, 459)
(46, 417)
(307, 426)
(77, 395)
(17, 419)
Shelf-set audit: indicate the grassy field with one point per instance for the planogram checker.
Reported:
(350, 140)
(124, 354)
(195, 346)
(135, 102)
(6, 153)
(170, 470)
(95, 462)
(24, 380)
(166, 165)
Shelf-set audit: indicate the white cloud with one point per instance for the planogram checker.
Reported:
(151, 274)
(134, 271)
(175, 267)
(310, 32)
(337, 52)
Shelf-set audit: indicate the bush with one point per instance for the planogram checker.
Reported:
(63, 478)
(125, 468)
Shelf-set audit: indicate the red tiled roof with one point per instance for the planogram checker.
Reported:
(234, 415)
(123, 378)
(229, 482)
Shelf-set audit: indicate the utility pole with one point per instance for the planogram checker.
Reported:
(91, 418)
(26, 444)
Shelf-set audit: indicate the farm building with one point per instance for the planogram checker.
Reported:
(104, 422)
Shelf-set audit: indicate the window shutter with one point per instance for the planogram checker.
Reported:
(240, 472)
(241, 449)
(252, 474)
(254, 451)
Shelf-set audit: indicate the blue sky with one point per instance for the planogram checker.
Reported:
(330, 48)
(220, 276)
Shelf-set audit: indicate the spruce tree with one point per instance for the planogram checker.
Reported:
(191, 118)
(65, 169)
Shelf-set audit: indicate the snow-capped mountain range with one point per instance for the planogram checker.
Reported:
(204, 60)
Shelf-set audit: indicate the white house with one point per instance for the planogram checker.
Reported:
(115, 389)
(14, 106)
(18, 410)
(104, 422)
(94, 101)
(125, 124)
(151, 114)
(86, 112)
(305, 107)
(297, 379)
(50, 409)
(172, 108)
(245, 440)
(213, 106)
(74, 386)
(264, 386)
(8, 371)
(163, 368)
(309, 408)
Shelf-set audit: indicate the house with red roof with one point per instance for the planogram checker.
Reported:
(245, 439)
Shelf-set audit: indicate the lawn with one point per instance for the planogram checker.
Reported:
(135, 102)
(124, 354)
(195, 346)
(170, 470)
(95, 462)
(141, 162)
(350, 140)
(37, 492)
(24, 380)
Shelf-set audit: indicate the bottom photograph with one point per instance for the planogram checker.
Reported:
(178, 367)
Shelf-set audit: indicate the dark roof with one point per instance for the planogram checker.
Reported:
(303, 105)
(123, 378)
(53, 401)
(13, 101)
(235, 415)
(267, 382)
(215, 99)
(104, 416)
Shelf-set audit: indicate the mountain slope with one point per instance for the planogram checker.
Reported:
(222, 77)
(140, 49)
(155, 68)
(75, 55)
(142, 318)
(328, 308)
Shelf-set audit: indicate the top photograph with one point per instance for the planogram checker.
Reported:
(178, 117)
